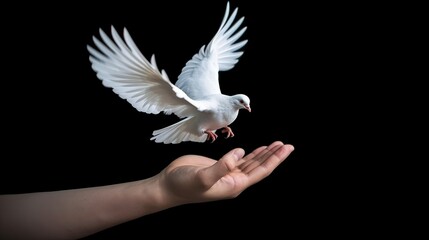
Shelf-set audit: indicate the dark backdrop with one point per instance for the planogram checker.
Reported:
(62, 129)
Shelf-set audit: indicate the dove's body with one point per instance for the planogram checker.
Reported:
(196, 96)
(223, 110)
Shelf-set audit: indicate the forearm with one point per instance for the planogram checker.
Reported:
(72, 214)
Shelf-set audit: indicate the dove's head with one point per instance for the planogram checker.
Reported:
(242, 101)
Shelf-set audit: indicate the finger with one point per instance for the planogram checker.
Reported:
(251, 155)
(258, 159)
(260, 154)
(269, 164)
(273, 145)
(210, 175)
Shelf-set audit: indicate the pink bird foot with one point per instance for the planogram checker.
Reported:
(228, 132)
(211, 135)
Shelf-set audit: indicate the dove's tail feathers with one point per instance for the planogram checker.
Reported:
(177, 133)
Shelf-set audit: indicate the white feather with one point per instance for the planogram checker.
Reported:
(196, 96)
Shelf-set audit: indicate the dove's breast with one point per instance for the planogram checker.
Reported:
(220, 114)
(215, 120)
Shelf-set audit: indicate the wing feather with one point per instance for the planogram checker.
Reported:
(200, 76)
(121, 66)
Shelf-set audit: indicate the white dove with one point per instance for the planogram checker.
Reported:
(196, 97)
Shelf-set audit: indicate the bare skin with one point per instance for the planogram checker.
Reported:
(76, 213)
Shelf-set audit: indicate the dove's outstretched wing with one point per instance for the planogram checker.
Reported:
(121, 66)
(199, 77)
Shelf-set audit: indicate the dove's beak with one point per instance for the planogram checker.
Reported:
(248, 108)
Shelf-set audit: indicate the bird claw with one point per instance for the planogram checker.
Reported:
(228, 132)
(211, 135)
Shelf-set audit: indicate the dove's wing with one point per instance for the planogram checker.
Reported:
(121, 66)
(200, 75)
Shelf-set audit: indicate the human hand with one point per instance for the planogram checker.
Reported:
(188, 179)
(193, 178)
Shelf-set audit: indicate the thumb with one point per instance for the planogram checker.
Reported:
(226, 164)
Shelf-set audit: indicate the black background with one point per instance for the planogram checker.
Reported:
(302, 68)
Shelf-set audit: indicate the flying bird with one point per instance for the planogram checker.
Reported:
(195, 98)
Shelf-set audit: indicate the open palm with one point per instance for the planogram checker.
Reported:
(194, 178)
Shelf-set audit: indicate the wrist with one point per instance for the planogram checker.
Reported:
(154, 196)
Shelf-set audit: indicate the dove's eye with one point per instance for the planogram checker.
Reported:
(241, 101)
